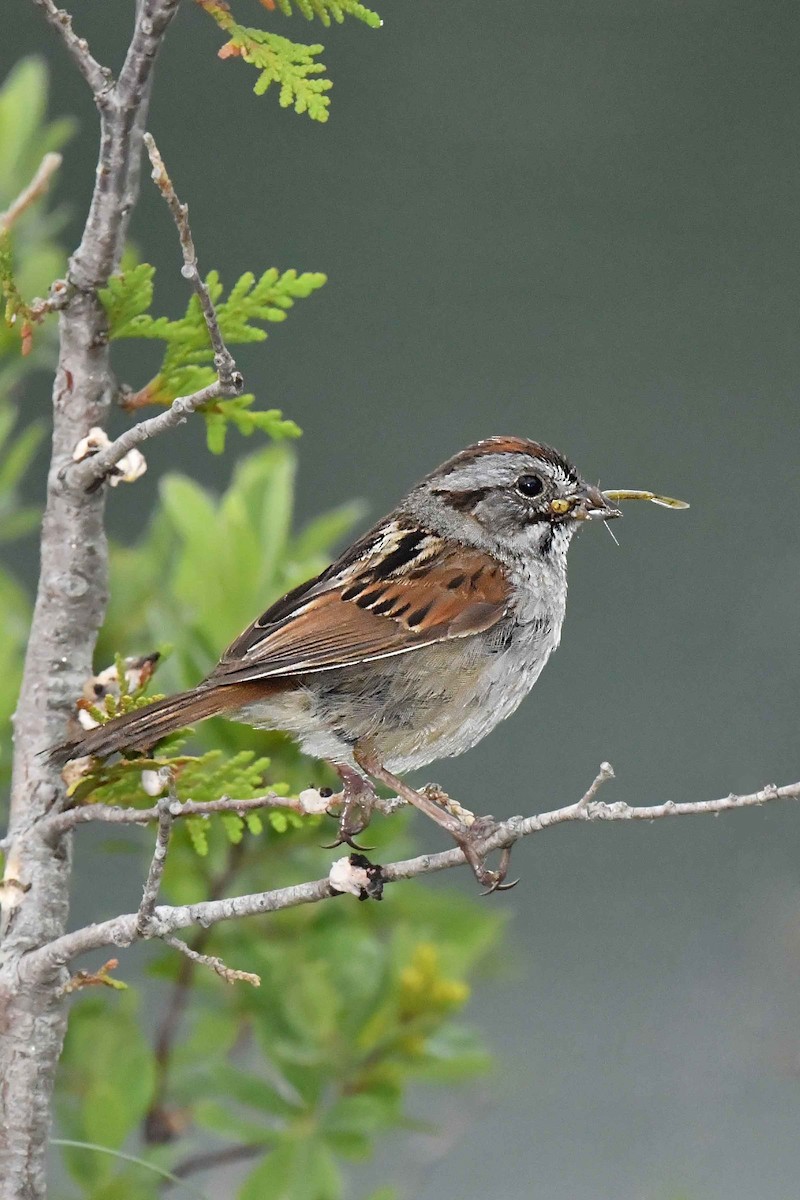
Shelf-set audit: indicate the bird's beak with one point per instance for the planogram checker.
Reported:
(589, 504)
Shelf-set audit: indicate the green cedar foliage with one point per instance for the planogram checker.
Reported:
(188, 354)
(293, 66)
(327, 9)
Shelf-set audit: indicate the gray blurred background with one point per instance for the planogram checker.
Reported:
(574, 221)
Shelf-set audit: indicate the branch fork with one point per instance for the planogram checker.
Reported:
(91, 473)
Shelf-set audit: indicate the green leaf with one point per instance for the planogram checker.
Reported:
(14, 624)
(234, 827)
(251, 1090)
(220, 1119)
(254, 824)
(18, 454)
(108, 1069)
(127, 296)
(197, 829)
(19, 523)
(189, 508)
(353, 1122)
(216, 430)
(296, 1170)
(293, 66)
(327, 530)
(337, 9)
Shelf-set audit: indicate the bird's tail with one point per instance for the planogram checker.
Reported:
(142, 728)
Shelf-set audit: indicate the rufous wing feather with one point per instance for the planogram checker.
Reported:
(366, 614)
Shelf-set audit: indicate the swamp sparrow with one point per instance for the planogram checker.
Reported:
(414, 644)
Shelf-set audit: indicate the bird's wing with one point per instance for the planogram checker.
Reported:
(403, 590)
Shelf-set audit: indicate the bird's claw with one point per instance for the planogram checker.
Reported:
(354, 815)
(345, 840)
(473, 844)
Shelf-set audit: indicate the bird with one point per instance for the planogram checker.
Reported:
(412, 645)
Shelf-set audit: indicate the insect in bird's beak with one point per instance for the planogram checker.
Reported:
(653, 497)
(588, 504)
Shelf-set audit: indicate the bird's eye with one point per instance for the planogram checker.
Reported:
(530, 486)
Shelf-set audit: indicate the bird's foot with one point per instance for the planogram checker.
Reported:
(473, 843)
(355, 803)
(470, 833)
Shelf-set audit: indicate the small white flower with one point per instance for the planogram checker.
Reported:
(312, 801)
(129, 468)
(75, 770)
(357, 875)
(155, 783)
(107, 680)
(137, 672)
(96, 439)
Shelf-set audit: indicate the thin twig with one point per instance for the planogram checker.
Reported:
(229, 381)
(112, 814)
(123, 930)
(144, 917)
(605, 773)
(209, 1159)
(229, 974)
(90, 470)
(99, 78)
(157, 1123)
(36, 188)
(223, 359)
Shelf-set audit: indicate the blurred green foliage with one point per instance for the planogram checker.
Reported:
(304, 1075)
(38, 258)
(25, 137)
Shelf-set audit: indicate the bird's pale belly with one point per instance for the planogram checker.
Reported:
(412, 708)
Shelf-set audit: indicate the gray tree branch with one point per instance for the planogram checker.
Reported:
(113, 814)
(36, 188)
(70, 606)
(99, 78)
(166, 919)
(229, 974)
(152, 884)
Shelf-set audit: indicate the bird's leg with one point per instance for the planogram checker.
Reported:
(471, 838)
(357, 798)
